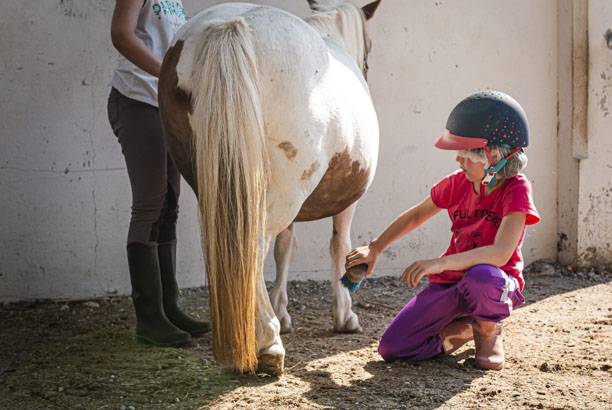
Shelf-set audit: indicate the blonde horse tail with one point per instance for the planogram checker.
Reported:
(232, 175)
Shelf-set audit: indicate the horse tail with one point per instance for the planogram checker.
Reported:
(232, 174)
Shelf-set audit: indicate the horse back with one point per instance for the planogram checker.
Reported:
(320, 125)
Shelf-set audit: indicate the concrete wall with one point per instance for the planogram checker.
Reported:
(594, 212)
(65, 195)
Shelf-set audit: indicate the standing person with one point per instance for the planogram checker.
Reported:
(141, 30)
(477, 282)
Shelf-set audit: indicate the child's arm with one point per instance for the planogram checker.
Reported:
(402, 225)
(498, 254)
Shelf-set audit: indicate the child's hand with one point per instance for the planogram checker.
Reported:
(363, 254)
(413, 273)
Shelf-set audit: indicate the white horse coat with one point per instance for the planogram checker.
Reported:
(314, 147)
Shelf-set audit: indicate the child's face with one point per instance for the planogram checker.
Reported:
(474, 171)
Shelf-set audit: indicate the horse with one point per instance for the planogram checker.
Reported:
(269, 119)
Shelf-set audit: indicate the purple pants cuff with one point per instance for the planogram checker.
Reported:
(485, 293)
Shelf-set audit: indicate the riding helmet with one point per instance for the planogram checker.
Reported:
(484, 119)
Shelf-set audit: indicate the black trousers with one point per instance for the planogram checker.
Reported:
(154, 179)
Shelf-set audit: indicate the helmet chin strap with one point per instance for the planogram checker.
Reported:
(491, 172)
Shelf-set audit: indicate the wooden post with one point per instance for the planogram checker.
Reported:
(580, 78)
(572, 101)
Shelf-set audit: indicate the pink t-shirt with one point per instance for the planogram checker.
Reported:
(475, 222)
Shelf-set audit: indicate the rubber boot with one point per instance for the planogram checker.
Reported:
(170, 290)
(152, 325)
(489, 345)
(456, 334)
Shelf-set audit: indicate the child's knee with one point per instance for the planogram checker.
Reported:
(489, 293)
(482, 280)
(386, 350)
(482, 277)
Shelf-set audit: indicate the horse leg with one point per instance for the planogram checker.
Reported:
(345, 320)
(284, 251)
(270, 350)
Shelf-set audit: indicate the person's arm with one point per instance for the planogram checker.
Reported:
(498, 254)
(402, 225)
(123, 35)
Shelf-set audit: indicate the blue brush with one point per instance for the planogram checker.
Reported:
(353, 276)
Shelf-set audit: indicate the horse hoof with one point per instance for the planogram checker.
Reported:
(286, 327)
(271, 364)
(349, 325)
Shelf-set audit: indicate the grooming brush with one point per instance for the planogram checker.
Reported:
(353, 276)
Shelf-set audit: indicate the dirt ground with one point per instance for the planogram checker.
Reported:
(82, 354)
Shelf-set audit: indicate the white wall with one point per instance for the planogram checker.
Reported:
(595, 204)
(65, 196)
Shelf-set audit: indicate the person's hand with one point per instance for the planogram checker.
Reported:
(413, 273)
(363, 254)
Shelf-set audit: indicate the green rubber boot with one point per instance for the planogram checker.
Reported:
(170, 291)
(152, 325)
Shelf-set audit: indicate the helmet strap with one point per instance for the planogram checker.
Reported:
(491, 172)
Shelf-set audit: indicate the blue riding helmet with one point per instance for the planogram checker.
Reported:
(484, 119)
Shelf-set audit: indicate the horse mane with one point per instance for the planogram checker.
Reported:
(343, 22)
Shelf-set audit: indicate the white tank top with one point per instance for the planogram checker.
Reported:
(157, 23)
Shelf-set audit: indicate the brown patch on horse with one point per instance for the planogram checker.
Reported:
(308, 173)
(343, 183)
(290, 150)
(174, 105)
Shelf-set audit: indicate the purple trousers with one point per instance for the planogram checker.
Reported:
(485, 293)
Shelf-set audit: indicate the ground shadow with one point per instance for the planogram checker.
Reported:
(82, 353)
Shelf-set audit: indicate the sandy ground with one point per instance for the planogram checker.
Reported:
(81, 354)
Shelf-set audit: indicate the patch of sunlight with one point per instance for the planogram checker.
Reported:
(345, 368)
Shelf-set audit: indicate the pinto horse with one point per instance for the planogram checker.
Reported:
(269, 119)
